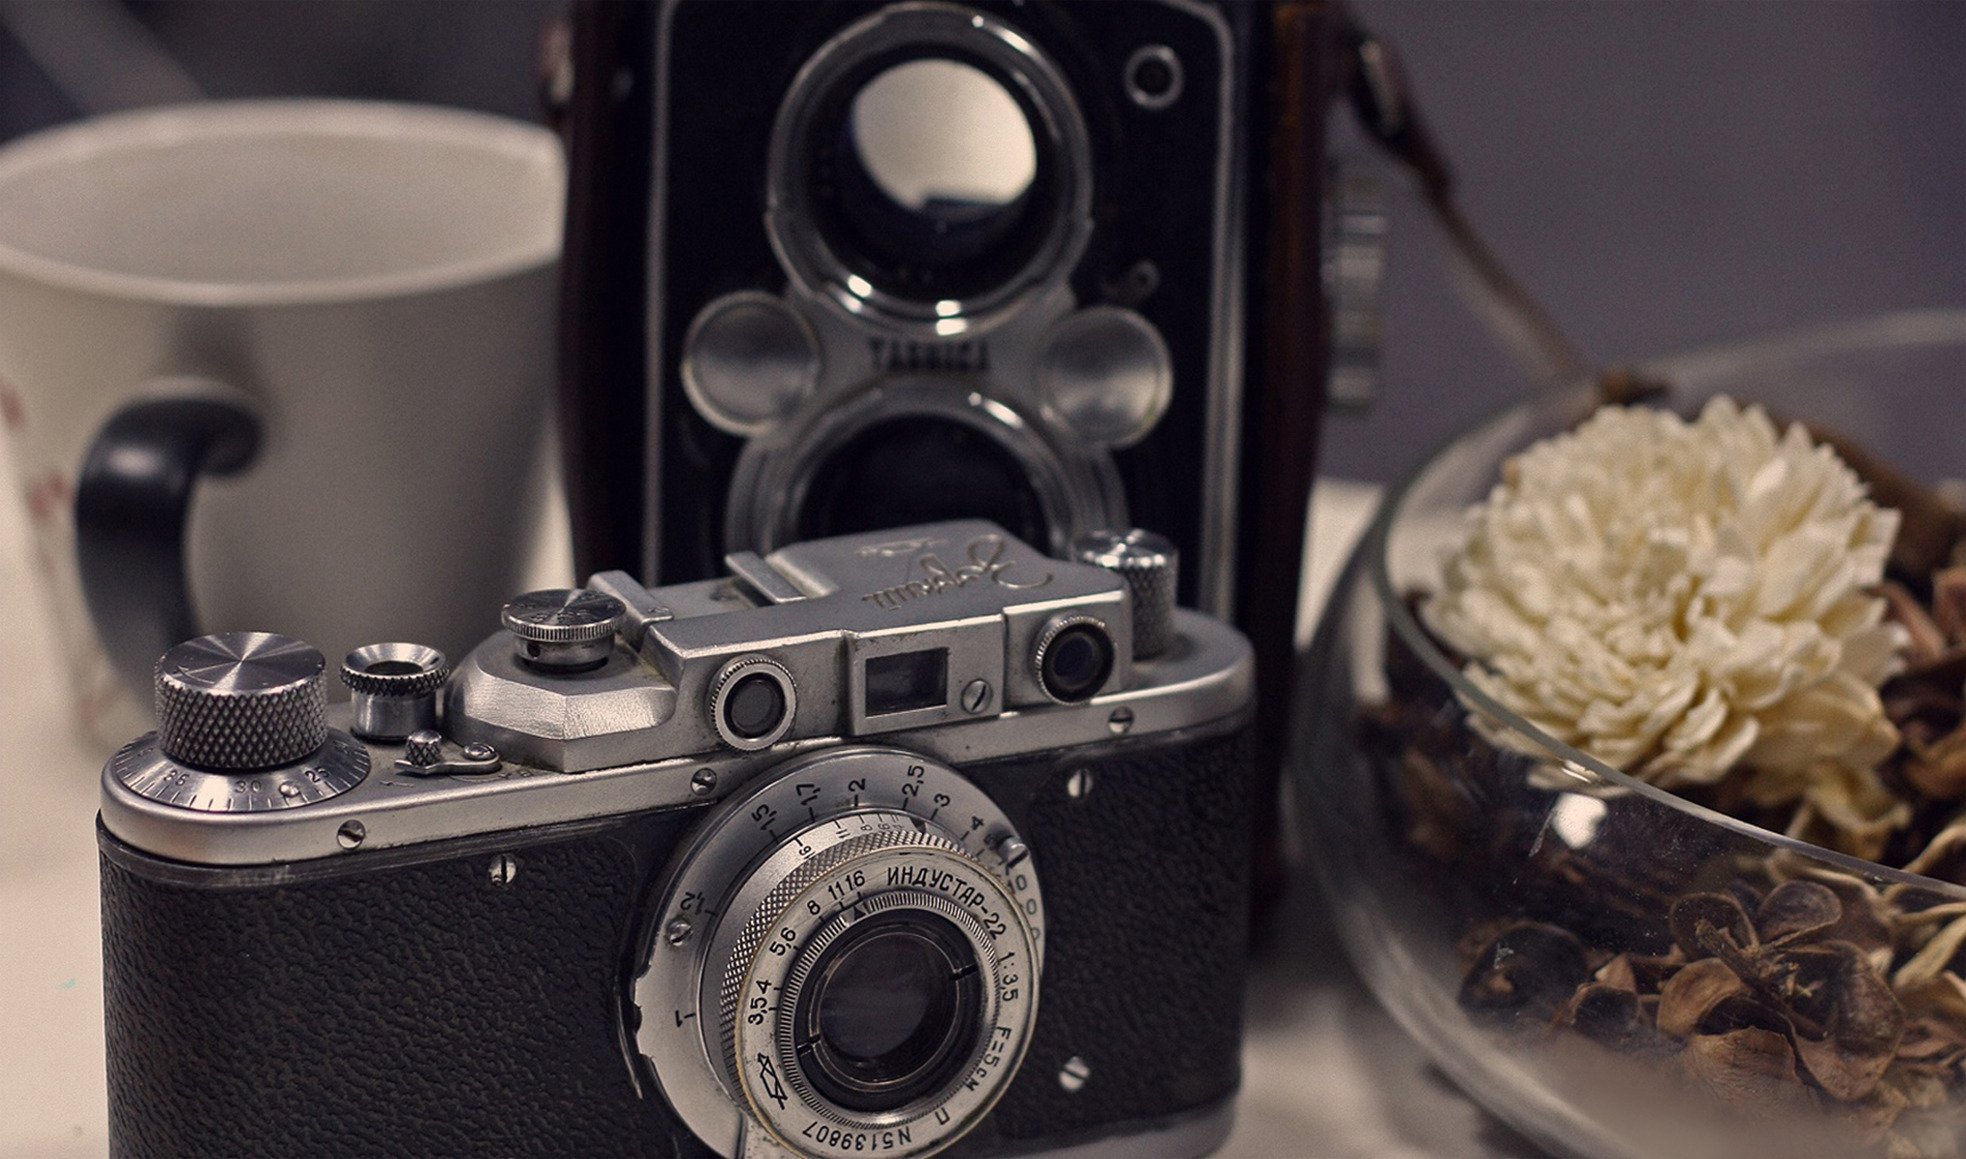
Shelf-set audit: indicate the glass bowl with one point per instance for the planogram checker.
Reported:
(1523, 915)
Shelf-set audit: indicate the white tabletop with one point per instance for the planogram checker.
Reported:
(1327, 1074)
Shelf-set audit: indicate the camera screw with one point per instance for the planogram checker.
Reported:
(1079, 784)
(1013, 852)
(1073, 1075)
(1121, 721)
(504, 868)
(976, 696)
(703, 783)
(678, 931)
(351, 834)
(1153, 77)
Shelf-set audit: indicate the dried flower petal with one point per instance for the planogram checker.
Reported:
(1681, 598)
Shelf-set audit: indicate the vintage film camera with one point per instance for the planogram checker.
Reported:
(886, 843)
(845, 265)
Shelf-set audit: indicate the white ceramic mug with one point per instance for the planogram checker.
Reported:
(291, 363)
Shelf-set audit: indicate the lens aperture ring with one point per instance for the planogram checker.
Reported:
(897, 864)
(885, 831)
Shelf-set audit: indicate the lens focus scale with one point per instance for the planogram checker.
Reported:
(802, 897)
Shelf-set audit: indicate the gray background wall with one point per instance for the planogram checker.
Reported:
(1662, 174)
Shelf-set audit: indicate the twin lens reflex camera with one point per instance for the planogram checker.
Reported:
(882, 844)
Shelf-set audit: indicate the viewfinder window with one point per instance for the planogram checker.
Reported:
(907, 681)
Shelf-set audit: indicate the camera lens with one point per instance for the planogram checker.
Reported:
(929, 164)
(926, 180)
(892, 1015)
(1074, 657)
(919, 469)
(754, 706)
(934, 162)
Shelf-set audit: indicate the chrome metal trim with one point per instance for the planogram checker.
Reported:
(654, 300)
(1079, 487)
(730, 865)
(1222, 447)
(1205, 678)
(727, 679)
(143, 769)
(705, 396)
(1048, 635)
(807, 258)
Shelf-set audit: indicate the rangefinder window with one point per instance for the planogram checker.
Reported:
(907, 681)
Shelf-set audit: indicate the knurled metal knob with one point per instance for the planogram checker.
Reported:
(564, 629)
(241, 700)
(1150, 565)
(424, 748)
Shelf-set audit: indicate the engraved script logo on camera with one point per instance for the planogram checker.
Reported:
(897, 355)
(986, 563)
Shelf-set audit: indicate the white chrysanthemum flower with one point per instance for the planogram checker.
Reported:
(1682, 600)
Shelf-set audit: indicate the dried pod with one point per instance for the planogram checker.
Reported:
(1795, 910)
(1860, 1019)
(1529, 966)
(1934, 959)
(1706, 924)
(1693, 993)
(1938, 768)
(1949, 603)
(1936, 1008)
(1754, 1069)
(1652, 971)
(1925, 642)
(1601, 1013)
(1868, 921)
(1944, 857)
(1618, 973)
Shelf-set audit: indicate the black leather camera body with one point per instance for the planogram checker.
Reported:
(848, 264)
(910, 843)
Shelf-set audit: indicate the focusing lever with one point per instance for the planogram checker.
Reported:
(424, 757)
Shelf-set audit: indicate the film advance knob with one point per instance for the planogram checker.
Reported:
(241, 701)
(1150, 565)
(564, 629)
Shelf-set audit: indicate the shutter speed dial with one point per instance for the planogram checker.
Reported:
(241, 728)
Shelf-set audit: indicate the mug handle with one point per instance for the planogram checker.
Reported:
(131, 499)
